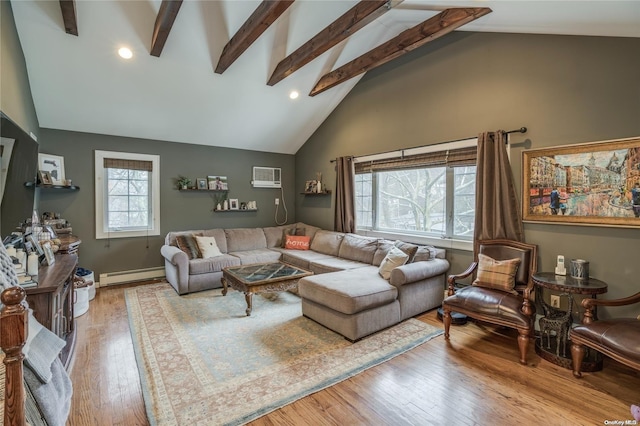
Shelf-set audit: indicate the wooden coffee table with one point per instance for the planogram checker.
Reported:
(261, 278)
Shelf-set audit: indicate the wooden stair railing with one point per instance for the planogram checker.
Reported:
(13, 336)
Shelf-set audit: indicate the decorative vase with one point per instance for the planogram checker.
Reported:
(319, 188)
(225, 205)
(32, 264)
(218, 207)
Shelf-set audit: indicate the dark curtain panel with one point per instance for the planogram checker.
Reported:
(497, 208)
(345, 220)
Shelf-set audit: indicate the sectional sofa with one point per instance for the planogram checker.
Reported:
(346, 293)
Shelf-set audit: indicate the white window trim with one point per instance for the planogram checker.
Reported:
(447, 243)
(444, 242)
(101, 196)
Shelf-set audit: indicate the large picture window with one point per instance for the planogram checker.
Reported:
(127, 194)
(424, 193)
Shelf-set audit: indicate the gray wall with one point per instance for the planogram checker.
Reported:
(15, 94)
(178, 210)
(565, 89)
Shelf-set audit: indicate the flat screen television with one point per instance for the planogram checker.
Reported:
(19, 158)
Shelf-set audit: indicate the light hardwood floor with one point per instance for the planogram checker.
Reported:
(474, 380)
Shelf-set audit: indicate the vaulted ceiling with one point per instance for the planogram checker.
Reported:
(220, 72)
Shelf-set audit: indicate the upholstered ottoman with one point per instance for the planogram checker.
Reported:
(368, 303)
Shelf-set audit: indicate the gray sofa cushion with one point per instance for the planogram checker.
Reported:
(300, 258)
(212, 264)
(327, 242)
(383, 248)
(219, 235)
(248, 257)
(309, 230)
(274, 235)
(358, 248)
(333, 264)
(243, 239)
(350, 291)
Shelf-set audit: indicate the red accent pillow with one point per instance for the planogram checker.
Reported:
(297, 242)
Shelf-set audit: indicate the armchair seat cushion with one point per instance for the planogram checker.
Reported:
(491, 303)
(620, 336)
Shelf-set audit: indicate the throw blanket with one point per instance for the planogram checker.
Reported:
(53, 399)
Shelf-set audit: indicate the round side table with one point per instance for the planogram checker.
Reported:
(567, 284)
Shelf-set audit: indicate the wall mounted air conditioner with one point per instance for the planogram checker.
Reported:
(266, 177)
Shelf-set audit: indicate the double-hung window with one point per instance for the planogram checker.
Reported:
(428, 191)
(127, 194)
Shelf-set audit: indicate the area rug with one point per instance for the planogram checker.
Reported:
(203, 361)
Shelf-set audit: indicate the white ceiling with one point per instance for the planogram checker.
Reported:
(80, 84)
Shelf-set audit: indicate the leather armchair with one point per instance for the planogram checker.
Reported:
(617, 338)
(496, 306)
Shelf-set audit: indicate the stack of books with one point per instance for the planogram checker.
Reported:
(24, 280)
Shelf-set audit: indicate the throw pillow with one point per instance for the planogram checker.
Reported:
(188, 244)
(291, 231)
(408, 248)
(497, 274)
(208, 247)
(295, 242)
(422, 254)
(394, 258)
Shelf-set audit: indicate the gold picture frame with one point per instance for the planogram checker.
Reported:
(593, 184)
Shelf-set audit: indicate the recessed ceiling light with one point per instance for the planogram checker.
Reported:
(293, 94)
(125, 53)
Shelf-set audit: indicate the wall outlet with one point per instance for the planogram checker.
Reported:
(277, 201)
(555, 301)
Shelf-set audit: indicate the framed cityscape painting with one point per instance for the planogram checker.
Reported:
(595, 183)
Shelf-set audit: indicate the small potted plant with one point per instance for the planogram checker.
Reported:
(183, 182)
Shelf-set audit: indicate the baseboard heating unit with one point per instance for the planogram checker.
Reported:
(122, 277)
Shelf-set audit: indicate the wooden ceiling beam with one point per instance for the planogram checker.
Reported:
(164, 22)
(431, 29)
(68, 9)
(261, 18)
(356, 18)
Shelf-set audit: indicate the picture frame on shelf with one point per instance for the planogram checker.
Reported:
(48, 254)
(202, 183)
(54, 164)
(592, 184)
(28, 247)
(45, 177)
(233, 204)
(217, 183)
(36, 245)
(50, 230)
(310, 186)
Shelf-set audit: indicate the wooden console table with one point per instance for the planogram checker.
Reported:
(69, 243)
(52, 301)
(567, 284)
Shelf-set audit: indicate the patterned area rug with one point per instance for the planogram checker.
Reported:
(202, 361)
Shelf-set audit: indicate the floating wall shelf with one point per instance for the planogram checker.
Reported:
(202, 190)
(63, 187)
(327, 192)
(237, 210)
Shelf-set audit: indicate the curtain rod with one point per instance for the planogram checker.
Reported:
(520, 130)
